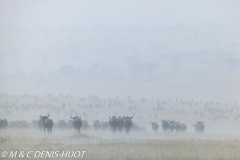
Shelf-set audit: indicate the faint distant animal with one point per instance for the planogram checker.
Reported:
(62, 124)
(120, 124)
(3, 123)
(171, 125)
(47, 123)
(127, 123)
(177, 126)
(165, 125)
(113, 122)
(183, 127)
(96, 125)
(199, 126)
(154, 126)
(77, 123)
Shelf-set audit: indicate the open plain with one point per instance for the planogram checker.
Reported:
(220, 140)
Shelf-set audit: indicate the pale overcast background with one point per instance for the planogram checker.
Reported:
(165, 48)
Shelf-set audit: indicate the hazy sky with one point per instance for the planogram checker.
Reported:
(188, 49)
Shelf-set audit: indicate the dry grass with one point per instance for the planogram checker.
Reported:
(220, 141)
(121, 148)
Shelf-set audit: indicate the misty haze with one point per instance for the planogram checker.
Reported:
(160, 77)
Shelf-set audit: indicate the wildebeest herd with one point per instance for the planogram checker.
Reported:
(114, 124)
(169, 125)
(144, 113)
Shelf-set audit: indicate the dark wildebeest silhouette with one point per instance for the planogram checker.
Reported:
(120, 124)
(199, 126)
(113, 122)
(165, 125)
(47, 123)
(177, 126)
(3, 123)
(96, 125)
(154, 126)
(171, 125)
(127, 123)
(77, 123)
(183, 127)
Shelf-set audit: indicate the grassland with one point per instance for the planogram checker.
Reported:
(220, 140)
(99, 146)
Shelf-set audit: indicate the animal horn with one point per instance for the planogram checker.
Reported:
(71, 117)
(47, 115)
(40, 116)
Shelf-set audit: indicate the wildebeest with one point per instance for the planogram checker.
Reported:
(165, 125)
(120, 124)
(154, 126)
(171, 125)
(199, 126)
(183, 127)
(127, 123)
(104, 126)
(177, 126)
(96, 125)
(3, 123)
(113, 122)
(77, 123)
(47, 123)
(62, 124)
